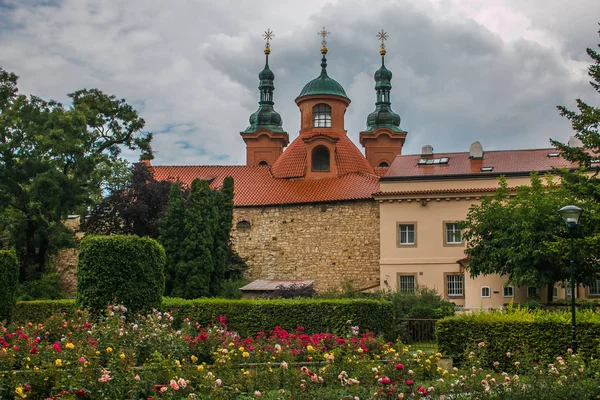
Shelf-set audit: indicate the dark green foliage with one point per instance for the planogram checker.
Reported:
(48, 287)
(55, 161)
(247, 317)
(230, 289)
(542, 334)
(120, 269)
(196, 262)
(172, 231)
(222, 240)
(425, 303)
(133, 207)
(9, 278)
(39, 310)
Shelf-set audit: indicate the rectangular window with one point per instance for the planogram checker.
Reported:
(454, 285)
(594, 289)
(485, 291)
(509, 291)
(532, 292)
(568, 290)
(406, 234)
(554, 291)
(453, 233)
(406, 283)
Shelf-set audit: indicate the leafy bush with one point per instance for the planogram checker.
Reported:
(9, 278)
(46, 288)
(40, 310)
(542, 333)
(230, 289)
(424, 303)
(120, 269)
(316, 315)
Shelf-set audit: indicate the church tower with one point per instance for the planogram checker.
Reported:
(383, 139)
(322, 150)
(265, 138)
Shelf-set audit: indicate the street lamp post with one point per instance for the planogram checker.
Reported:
(570, 215)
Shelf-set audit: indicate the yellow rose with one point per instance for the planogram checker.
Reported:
(109, 349)
(69, 346)
(310, 348)
(200, 367)
(194, 358)
(122, 356)
(58, 362)
(245, 354)
(241, 348)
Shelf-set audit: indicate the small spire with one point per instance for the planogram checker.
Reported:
(323, 33)
(383, 36)
(268, 36)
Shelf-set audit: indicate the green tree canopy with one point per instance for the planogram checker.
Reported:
(54, 161)
(522, 235)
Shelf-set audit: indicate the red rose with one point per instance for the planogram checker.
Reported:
(399, 367)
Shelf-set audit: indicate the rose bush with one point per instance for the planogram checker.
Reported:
(146, 358)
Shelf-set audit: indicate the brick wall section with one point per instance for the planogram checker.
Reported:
(331, 243)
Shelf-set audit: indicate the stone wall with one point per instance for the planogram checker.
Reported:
(330, 243)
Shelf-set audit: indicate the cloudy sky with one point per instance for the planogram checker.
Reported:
(464, 70)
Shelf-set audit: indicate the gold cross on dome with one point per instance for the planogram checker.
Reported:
(383, 36)
(323, 33)
(268, 36)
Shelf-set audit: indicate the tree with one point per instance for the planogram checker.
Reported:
(523, 236)
(222, 241)
(55, 161)
(135, 204)
(172, 231)
(586, 124)
(193, 273)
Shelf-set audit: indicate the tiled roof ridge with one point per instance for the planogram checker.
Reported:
(207, 166)
(484, 152)
(442, 191)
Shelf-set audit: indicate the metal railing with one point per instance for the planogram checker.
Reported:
(418, 333)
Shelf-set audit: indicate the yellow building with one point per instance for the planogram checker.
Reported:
(421, 199)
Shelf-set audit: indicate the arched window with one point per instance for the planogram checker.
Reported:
(320, 159)
(322, 116)
(263, 163)
(243, 226)
(383, 164)
(485, 291)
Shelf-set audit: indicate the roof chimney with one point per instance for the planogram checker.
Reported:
(476, 151)
(427, 150)
(574, 142)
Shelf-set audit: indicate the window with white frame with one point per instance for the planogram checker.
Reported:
(454, 285)
(322, 116)
(568, 290)
(509, 291)
(532, 292)
(554, 291)
(485, 291)
(406, 234)
(594, 289)
(406, 283)
(453, 233)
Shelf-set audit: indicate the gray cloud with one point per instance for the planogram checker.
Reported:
(190, 68)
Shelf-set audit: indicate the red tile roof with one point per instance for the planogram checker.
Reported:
(255, 186)
(504, 162)
(440, 191)
(349, 159)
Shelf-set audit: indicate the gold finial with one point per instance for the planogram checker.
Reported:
(323, 33)
(268, 36)
(383, 36)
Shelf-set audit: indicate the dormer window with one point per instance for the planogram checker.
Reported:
(433, 161)
(322, 116)
(553, 154)
(383, 164)
(320, 159)
(486, 169)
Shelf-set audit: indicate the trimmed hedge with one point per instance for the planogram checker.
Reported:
(248, 317)
(9, 279)
(316, 315)
(120, 269)
(541, 334)
(39, 310)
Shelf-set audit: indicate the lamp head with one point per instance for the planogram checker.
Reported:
(570, 215)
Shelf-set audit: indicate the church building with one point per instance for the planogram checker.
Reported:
(317, 209)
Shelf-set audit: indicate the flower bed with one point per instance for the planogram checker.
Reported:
(149, 359)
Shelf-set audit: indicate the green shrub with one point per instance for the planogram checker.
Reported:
(48, 287)
(9, 278)
(424, 303)
(39, 310)
(541, 333)
(120, 269)
(316, 315)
